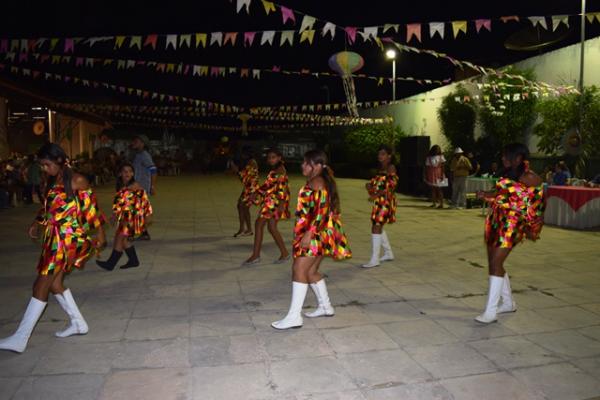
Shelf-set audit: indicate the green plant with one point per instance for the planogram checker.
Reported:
(508, 113)
(362, 142)
(458, 118)
(562, 113)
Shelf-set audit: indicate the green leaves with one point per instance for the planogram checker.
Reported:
(362, 143)
(457, 118)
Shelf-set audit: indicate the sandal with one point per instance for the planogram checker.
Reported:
(253, 262)
(282, 260)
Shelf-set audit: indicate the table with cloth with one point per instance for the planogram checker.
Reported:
(572, 207)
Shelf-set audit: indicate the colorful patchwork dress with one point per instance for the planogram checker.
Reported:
(382, 189)
(249, 177)
(131, 209)
(275, 192)
(314, 215)
(66, 241)
(516, 211)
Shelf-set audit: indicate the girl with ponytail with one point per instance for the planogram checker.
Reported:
(317, 233)
(517, 209)
(69, 215)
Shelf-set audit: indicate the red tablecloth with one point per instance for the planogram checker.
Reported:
(575, 196)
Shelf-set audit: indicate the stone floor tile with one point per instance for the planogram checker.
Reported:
(8, 386)
(157, 328)
(148, 384)
(296, 343)
(560, 382)
(451, 360)
(495, 386)
(420, 332)
(225, 350)
(166, 307)
(221, 324)
(172, 353)
(515, 351)
(358, 339)
(67, 387)
(568, 343)
(244, 381)
(70, 358)
(417, 391)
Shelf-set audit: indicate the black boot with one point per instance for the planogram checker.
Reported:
(133, 258)
(109, 264)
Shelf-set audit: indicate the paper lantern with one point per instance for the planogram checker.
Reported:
(345, 63)
(39, 128)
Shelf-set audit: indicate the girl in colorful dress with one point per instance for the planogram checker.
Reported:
(434, 175)
(517, 207)
(131, 210)
(275, 193)
(249, 178)
(382, 189)
(69, 215)
(318, 233)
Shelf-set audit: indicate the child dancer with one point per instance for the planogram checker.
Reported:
(249, 178)
(131, 209)
(318, 233)
(70, 213)
(275, 193)
(382, 189)
(517, 207)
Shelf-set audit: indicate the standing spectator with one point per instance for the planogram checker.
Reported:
(434, 175)
(475, 166)
(460, 166)
(145, 170)
(34, 179)
(494, 170)
(562, 174)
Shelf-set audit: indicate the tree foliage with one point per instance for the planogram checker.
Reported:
(457, 118)
(362, 142)
(504, 117)
(562, 113)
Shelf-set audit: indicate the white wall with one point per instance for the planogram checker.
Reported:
(559, 67)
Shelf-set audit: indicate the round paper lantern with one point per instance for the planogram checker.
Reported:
(346, 62)
(39, 128)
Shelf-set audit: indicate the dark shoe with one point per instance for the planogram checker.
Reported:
(133, 259)
(109, 264)
(144, 236)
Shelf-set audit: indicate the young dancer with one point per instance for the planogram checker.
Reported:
(517, 207)
(131, 209)
(70, 213)
(249, 178)
(318, 233)
(382, 189)
(275, 193)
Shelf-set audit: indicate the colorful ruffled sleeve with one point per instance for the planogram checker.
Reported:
(319, 210)
(390, 184)
(92, 217)
(534, 218)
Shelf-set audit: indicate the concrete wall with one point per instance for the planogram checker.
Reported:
(82, 135)
(558, 67)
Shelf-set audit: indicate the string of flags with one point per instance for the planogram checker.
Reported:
(194, 70)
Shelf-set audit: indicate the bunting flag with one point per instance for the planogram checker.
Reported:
(249, 38)
(308, 23)
(287, 14)
(436, 27)
(413, 30)
(307, 35)
(483, 23)
(593, 16)
(241, 4)
(216, 37)
(287, 36)
(171, 41)
(559, 19)
(151, 40)
(387, 27)
(230, 37)
(541, 21)
(509, 18)
(201, 39)
(351, 33)
(329, 28)
(459, 26)
(269, 6)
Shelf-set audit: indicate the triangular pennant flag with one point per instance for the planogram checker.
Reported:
(89, 62)
(307, 23)
(119, 40)
(25, 44)
(307, 35)
(483, 23)
(151, 41)
(244, 72)
(3, 45)
(201, 39)
(591, 16)
(369, 32)
(387, 27)
(541, 21)
(216, 37)
(267, 37)
(130, 64)
(269, 6)
(249, 38)
(459, 26)
(559, 19)
(241, 4)
(328, 28)
(120, 64)
(287, 36)
(135, 41)
(256, 73)
(171, 41)
(230, 37)
(351, 33)
(436, 27)
(287, 14)
(509, 18)
(185, 40)
(69, 45)
(413, 30)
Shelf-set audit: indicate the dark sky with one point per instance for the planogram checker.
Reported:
(84, 19)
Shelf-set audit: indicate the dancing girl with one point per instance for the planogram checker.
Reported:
(131, 210)
(382, 189)
(517, 207)
(249, 177)
(69, 215)
(318, 233)
(275, 193)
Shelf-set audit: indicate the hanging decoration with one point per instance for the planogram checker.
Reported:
(345, 63)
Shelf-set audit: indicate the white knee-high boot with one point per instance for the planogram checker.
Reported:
(376, 249)
(324, 309)
(293, 319)
(491, 309)
(508, 305)
(18, 341)
(388, 254)
(77, 326)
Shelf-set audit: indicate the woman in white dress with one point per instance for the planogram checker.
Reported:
(434, 175)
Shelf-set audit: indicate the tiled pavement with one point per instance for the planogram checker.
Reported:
(192, 324)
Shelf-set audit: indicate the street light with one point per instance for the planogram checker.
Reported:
(391, 55)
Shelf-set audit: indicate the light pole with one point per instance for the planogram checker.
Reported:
(391, 55)
(581, 65)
